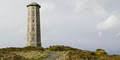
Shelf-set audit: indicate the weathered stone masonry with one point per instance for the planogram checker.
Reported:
(33, 25)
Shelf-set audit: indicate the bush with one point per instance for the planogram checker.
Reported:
(101, 52)
(61, 48)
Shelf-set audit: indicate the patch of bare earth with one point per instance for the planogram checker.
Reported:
(52, 56)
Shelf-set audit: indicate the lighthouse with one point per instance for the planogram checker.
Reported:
(33, 25)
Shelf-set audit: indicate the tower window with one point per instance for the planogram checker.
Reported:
(32, 38)
(32, 29)
(33, 13)
(33, 7)
(32, 20)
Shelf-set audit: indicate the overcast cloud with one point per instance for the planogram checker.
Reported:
(84, 24)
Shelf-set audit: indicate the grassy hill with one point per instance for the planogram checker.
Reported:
(64, 52)
(27, 53)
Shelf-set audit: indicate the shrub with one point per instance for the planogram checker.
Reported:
(101, 52)
(61, 48)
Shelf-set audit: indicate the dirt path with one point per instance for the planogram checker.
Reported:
(52, 56)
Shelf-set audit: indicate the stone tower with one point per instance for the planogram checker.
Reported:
(33, 25)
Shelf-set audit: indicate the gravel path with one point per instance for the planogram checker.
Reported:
(52, 56)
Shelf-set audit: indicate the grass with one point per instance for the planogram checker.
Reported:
(22, 49)
(65, 52)
(69, 53)
(26, 53)
(61, 48)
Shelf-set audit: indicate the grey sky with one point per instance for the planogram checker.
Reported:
(84, 24)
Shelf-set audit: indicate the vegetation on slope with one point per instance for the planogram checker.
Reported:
(27, 53)
(65, 52)
(61, 48)
(69, 53)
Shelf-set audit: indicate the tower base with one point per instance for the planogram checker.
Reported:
(33, 44)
